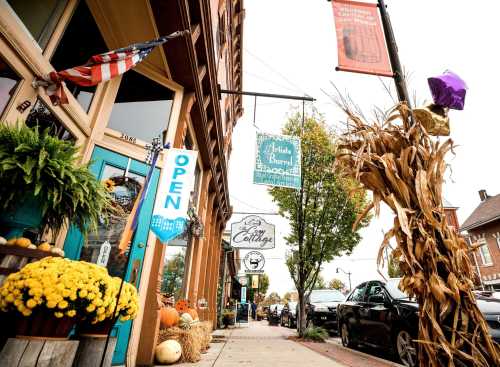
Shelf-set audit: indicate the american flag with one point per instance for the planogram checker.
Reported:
(99, 68)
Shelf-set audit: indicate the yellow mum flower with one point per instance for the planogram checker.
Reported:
(90, 308)
(62, 304)
(31, 303)
(71, 313)
(58, 314)
(51, 304)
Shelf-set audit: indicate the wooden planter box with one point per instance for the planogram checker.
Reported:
(38, 353)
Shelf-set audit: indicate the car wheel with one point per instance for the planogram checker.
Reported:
(345, 336)
(405, 347)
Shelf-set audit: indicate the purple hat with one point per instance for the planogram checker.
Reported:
(448, 90)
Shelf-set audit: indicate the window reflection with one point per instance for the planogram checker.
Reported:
(40, 17)
(41, 116)
(142, 107)
(8, 83)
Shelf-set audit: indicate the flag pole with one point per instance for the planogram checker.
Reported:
(154, 151)
(392, 47)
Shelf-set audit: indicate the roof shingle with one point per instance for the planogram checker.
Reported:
(486, 212)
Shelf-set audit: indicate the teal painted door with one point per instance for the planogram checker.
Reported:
(126, 177)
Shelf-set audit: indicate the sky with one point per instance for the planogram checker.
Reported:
(290, 48)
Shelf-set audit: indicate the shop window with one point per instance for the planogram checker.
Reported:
(81, 40)
(40, 17)
(141, 109)
(485, 253)
(8, 83)
(173, 274)
(41, 116)
(221, 32)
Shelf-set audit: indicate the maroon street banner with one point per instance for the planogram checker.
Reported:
(360, 38)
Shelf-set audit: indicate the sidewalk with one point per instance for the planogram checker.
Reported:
(260, 345)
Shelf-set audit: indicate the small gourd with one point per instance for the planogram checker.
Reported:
(168, 352)
(168, 317)
(193, 313)
(3, 241)
(44, 246)
(23, 242)
(185, 321)
(11, 242)
(32, 247)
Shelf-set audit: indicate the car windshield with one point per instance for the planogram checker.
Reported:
(327, 296)
(392, 287)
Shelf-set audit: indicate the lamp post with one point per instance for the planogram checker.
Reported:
(348, 274)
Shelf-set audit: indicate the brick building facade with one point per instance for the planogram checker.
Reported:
(482, 229)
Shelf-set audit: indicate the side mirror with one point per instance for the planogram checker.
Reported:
(376, 298)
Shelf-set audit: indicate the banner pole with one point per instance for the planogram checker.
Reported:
(393, 55)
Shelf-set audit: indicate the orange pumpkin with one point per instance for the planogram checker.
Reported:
(182, 306)
(168, 317)
(193, 313)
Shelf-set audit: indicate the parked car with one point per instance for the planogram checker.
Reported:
(321, 309)
(378, 314)
(274, 314)
(289, 315)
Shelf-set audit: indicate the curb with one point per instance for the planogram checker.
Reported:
(365, 355)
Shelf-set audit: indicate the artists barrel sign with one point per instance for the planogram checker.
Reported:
(252, 232)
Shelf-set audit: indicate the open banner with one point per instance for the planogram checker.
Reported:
(360, 38)
(170, 213)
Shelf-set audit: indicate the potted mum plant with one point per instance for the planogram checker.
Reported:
(50, 296)
(43, 186)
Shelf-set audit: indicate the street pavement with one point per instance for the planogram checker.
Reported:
(258, 344)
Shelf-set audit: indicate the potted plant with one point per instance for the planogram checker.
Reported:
(43, 186)
(228, 316)
(50, 296)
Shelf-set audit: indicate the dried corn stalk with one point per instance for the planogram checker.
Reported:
(403, 167)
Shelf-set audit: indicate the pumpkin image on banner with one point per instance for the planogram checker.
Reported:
(168, 352)
(193, 313)
(182, 306)
(168, 317)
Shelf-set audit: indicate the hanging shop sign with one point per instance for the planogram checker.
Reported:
(254, 262)
(243, 280)
(170, 213)
(252, 232)
(255, 281)
(277, 161)
(360, 38)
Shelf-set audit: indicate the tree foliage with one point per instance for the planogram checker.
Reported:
(336, 284)
(320, 283)
(263, 283)
(393, 268)
(271, 299)
(323, 212)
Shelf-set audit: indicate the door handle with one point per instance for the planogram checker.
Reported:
(134, 275)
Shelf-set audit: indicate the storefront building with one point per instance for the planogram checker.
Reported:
(173, 92)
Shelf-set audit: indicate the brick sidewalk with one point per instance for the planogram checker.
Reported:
(260, 345)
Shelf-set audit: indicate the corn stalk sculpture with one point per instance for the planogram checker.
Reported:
(403, 167)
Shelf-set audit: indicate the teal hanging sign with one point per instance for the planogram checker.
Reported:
(278, 161)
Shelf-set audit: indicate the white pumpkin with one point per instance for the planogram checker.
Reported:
(57, 250)
(168, 352)
(32, 247)
(185, 321)
(3, 241)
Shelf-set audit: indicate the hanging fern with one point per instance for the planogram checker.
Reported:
(35, 164)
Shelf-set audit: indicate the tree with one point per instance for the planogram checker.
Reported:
(320, 283)
(173, 274)
(393, 268)
(290, 296)
(272, 299)
(263, 283)
(336, 284)
(322, 213)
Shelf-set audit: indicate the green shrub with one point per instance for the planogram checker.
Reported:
(316, 334)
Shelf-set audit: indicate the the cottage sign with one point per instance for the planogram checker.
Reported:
(252, 232)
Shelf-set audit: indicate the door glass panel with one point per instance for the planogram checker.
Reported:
(41, 116)
(124, 189)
